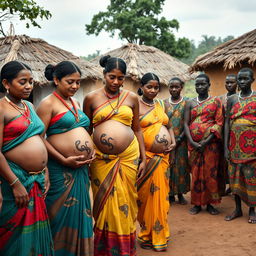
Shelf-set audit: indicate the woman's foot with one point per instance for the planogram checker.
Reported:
(195, 210)
(182, 200)
(235, 214)
(212, 210)
(252, 216)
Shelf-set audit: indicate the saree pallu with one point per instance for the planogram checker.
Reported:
(25, 231)
(179, 167)
(242, 146)
(69, 209)
(153, 187)
(113, 179)
(207, 175)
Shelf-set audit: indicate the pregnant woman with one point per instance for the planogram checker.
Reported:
(24, 224)
(120, 149)
(153, 187)
(70, 150)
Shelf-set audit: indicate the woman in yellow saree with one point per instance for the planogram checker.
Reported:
(153, 187)
(115, 119)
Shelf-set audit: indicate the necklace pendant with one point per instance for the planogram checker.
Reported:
(115, 111)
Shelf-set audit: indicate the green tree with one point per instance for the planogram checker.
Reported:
(207, 44)
(91, 56)
(137, 21)
(24, 9)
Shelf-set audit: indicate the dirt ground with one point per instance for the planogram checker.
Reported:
(207, 235)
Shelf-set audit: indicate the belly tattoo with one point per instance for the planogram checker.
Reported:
(106, 141)
(83, 147)
(162, 140)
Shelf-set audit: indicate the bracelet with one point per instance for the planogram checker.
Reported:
(17, 179)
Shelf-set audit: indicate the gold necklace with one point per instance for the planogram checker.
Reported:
(23, 111)
(114, 109)
(147, 104)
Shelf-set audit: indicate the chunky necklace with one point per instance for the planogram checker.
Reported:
(114, 109)
(199, 102)
(23, 111)
(147, 104)
(75, 113)
(245, 97)
(175, 103)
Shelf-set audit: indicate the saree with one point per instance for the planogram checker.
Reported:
(153, 187)
(113, 179)
(207, 174)
(68, 202)
(242, 147)
(24, 231)
(179, 167)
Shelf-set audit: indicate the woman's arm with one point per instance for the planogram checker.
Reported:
(19, 191)
(138, 133)
(87, 108)
(45, 112)
(227, 127)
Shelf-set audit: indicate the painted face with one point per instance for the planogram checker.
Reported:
(151, 89)
(175, 88)
(201, 85)
(22, 85)
(231, 84)
(244, 80)
(114, 80)
(69, 84)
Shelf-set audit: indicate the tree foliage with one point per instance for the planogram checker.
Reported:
(24, 9)
(137, 21)
(91, 56)
(207, 44)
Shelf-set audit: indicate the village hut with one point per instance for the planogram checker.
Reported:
(38, 54)
(228, 58)
(141, 59)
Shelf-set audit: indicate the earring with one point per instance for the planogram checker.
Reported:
(7, 91)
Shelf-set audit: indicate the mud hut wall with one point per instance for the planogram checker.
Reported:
(218, 76)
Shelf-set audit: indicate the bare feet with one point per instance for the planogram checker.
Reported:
(235, 214)
(182, 200)
(195, 210)
(212, 210)
(252, 216)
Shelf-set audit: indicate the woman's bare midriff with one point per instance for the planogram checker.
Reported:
(73, 143)
(31, 154)
(112, 137)
(162, 141)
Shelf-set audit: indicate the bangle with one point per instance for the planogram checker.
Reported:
(17, 179)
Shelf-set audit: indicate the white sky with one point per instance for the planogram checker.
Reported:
(66, 28)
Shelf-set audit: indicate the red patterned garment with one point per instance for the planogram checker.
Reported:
(207, 174)
(242, 146)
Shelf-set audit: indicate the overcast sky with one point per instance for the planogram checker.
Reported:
(66, 28)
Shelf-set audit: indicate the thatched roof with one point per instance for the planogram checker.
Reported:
(141, 59)
(38, 54)
(234, 52)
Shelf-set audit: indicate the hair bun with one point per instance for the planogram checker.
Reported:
(104, 60)
(48, 72)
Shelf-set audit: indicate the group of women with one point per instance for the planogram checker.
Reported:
(119, 144)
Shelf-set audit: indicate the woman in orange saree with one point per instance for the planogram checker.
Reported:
(153, 187)
(119, 149)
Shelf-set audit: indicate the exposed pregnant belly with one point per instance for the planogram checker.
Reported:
(112, 137)
(31, 155)
(73, 143)
(162, 141)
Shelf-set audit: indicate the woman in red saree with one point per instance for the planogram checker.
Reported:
(24, 225)
(203, 126)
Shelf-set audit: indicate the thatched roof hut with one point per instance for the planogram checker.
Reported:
(228, 58)
(38, 54)
(141, 59)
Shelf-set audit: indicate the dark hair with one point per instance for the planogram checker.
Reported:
(109, 63)
(204, 76)
(10, 71)
(176, 79)
(247, 70)
(61, 70)
(231, 75)
(145, 79)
